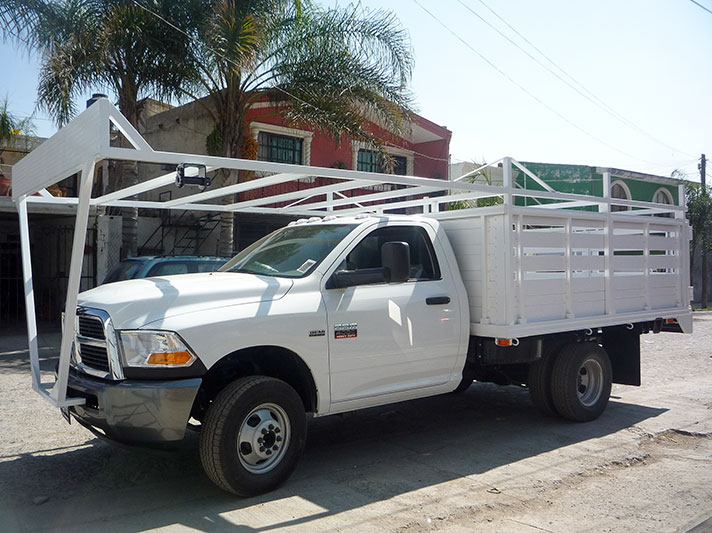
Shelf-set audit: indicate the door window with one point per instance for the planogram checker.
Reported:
(367, 254)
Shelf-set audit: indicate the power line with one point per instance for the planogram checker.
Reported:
(576, 85)
(524, 89)
(308, 104)
(700, 5)
(169, 23)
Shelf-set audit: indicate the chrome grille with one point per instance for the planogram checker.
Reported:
(94, 357)
(95, 348)
(91, 327)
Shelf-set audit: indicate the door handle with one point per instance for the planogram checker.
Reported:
(437, 300)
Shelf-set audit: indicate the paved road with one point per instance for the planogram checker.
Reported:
(481, 461)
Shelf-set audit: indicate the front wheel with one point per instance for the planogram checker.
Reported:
(468, 377)
(253, 435)
(581, 381)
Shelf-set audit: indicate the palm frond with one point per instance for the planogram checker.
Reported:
(66, 73)
(11, 126)
(340, 68)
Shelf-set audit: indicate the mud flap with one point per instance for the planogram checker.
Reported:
(623, 348)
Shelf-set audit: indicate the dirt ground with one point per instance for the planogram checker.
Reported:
(485, 460)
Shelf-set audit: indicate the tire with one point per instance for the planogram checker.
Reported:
(539, 383)
(467, 379)
(581, 381)
(253, 435)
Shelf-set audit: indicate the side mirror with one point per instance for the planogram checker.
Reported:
(395, 257)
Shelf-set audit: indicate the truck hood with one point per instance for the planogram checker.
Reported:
(138, 302)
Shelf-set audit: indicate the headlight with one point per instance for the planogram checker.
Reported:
(152, 349)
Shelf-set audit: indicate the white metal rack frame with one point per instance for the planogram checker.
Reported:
(85, 142)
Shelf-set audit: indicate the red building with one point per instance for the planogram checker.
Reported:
(423, 151)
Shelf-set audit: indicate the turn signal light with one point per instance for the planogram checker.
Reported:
(670, 320)
(503, 342)
(169, 358)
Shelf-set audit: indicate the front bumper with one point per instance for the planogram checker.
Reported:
(133, 411)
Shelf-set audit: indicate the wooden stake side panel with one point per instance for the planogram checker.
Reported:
(558, 270)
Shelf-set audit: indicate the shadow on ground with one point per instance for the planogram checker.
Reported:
(350, 461)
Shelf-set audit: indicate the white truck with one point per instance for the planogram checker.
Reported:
(352, 307)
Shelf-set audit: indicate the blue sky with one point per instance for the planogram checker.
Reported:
(647, 61)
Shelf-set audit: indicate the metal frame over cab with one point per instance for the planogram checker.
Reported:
(503, 234)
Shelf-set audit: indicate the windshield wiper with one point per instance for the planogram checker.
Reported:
(248, 271)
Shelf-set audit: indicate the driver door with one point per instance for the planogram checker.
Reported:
(391, 337)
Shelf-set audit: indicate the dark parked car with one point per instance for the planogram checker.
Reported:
(163, 265)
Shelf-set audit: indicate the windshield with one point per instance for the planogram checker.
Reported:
(291, 252)
(125, 270)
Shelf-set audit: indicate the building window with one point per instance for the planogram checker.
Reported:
(620, 190)
(279, 148)
(368, 161)
(371, 161)
(400, 165)
(663, 196)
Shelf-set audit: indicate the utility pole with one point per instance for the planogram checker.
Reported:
(703, 169)
(705, 248)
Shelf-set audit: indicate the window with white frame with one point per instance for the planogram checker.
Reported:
(372, 161)
(367, 160)
(282, 145)
(620, 190)
(279, 148)
(663, 196)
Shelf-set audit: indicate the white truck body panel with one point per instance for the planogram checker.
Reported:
(529, 273)
(165, 297)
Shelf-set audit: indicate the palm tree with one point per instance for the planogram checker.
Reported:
(112, 44)
(336, 69)
(11, 126)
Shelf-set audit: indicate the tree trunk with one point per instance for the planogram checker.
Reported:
(130, 214)
(127, 178)
(231, 106)
(232, 147)
(227, 246)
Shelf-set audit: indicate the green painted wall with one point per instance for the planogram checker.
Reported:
(580, 179)
(644, 190)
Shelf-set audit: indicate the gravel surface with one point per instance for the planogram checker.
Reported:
(484, 460)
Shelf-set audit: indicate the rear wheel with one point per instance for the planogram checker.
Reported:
(581, 381)
(539, 383)
(253, 435)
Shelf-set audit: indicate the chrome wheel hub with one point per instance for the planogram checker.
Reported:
(590, 382)
(263, 438)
